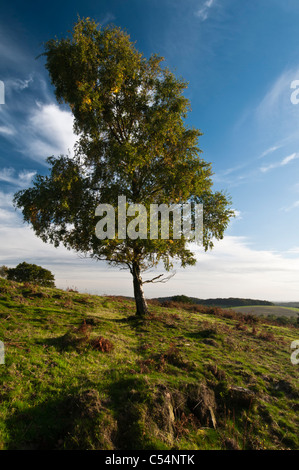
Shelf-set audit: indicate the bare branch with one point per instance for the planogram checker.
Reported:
(156, 279)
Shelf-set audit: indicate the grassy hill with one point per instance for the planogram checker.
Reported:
(218, 302)
(283, 313)
(288, 304)
(82, 372)
(273, 311)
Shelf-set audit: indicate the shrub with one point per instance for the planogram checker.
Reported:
(101, 344)
(3, 271)
(267, 336)
(31, 273)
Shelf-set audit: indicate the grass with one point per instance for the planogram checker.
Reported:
(83, 372)
(266, 310)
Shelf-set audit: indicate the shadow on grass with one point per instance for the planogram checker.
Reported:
(132, 320)
(203, 334)
(84, 420)
(131, 400)
(40, 426)
(77, 420)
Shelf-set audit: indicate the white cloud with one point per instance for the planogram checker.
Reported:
(10, 51)
(18, 243)
(288, 159)
(6, 199)
(276, 114)
(203, 12)
(23, 178)
(295, 205)
(48, 131)
(230, 177)
(278, 96)
(234, 268)
(108, 18)
(7, 130)
(17, 84)
(270, 150)
(283, 162)
(237, 213)
(6, 217)
(37, 129)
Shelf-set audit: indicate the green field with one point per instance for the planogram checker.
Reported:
(266, 310)
(82, 372)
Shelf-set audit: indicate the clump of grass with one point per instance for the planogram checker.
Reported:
(267, 336)
(91, 426)
(101, 344)
(77, 337)
(80, 337)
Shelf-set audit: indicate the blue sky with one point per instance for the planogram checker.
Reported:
(240, 59)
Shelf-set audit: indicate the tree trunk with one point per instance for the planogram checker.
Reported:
(141, 305)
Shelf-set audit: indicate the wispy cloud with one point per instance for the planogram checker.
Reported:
(9, 218)
(277, 96)
(23, 178)
(17, 84)
(204, 11)
(283, 162)
(108, 18)
(276, 114)
(288, 159)
(248, 272)
(234, 268)
(31, 121)
(48, 131)
(42, 130)
(238, 214)
(270, 150)
(295, 205)
(7, 130)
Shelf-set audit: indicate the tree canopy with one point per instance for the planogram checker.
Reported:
(25, 272)
(129, 114)
(3, 271)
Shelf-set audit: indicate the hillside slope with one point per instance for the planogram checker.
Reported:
(82, 372)
(217, 302)
(269, 311)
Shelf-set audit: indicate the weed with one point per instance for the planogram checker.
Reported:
(101, 344)
(267, 336)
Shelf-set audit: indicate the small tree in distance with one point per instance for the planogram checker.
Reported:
(129, 115)
(3, 271)
(25, 272)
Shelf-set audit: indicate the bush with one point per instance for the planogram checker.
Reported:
(3, 271)
(32, 273)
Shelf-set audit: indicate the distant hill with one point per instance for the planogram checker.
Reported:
(218, 302)
(287, 304)
(274, 311)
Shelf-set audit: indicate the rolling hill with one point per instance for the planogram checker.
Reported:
(83, 372)
(272, 310)
(217, 302)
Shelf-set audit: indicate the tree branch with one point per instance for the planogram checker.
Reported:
(155, 279)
